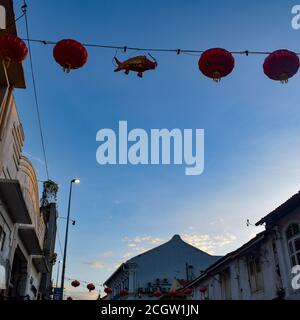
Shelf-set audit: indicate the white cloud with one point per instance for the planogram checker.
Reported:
(34, 158)
(209, 243)
(139, 245)
(127, 255)
(218, 221)
(141, 239)
(107, 254)
(95, 264)
(78, 294)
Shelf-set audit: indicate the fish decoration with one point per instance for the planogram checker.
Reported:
(138, 64)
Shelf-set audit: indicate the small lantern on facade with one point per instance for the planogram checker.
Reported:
(75, 283)
(124, 293)
(203, 290)
(188, 291)
(172, 294)
(157, 294)
(108, 290)
(91, 287)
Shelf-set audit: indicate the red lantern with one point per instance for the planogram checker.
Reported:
(203, 289)
(172, 294)
(124, 293)
(90, 287)
(108, 290)
(216, 63)
(75, 283)
(12, 49)
(188, 291)
(281, 65)
(157, 294)
(69, 298)
(70, 54)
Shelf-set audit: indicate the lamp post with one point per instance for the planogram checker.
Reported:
(76, 181)
(58, 267)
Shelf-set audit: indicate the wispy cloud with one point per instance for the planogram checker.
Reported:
(209, 243)
(127, 255)
(80, 294)
(218, 221)
(143, 239)
(95, 264)
(139, 245)
(107, 254)
(34, 158)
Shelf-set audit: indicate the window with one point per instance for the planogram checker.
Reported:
(255, 274)
(293, 241)
(225, 284)
(2, 238)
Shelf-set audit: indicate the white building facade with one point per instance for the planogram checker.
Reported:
(23, 226)
(262, 268)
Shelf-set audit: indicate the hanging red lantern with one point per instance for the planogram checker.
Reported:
(69, 298)
(124, 293)
(157, 294)
(216, 63)
(70, 54)
(188, 291)
(12, 49)
(108, 290)
(203, 289)
(91, 287)
(172, 294)
(281, 65)
(75, 283)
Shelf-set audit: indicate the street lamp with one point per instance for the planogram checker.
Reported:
(76, 181)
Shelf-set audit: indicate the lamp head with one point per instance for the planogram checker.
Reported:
(76, 181)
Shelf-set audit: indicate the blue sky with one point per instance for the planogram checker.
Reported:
(251, 124)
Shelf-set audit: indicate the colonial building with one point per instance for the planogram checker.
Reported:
(27, 234)
(262, 268)
(156, 269)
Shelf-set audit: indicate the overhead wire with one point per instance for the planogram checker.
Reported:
(24, 9)
(124, 49)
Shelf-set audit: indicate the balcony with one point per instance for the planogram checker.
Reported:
(11, 194)
(30, 240)
(40, 264)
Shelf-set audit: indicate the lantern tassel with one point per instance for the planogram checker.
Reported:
(67, 67)
(217, 76)
(6, 61)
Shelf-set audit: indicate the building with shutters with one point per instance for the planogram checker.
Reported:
(262, 269)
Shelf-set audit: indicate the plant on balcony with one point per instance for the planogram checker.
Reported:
(49, 193)
(53, 259)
